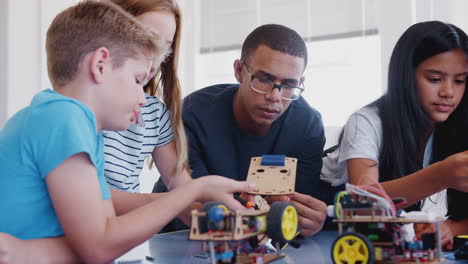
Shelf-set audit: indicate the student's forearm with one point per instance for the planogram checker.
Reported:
(180, 179)
(57, 250)
(185, 216)
(417, 186)
(115, 235)
(91, 225)
(140, 224)
(48, 250)
(120, 232)
(124, 202)
(165, 159)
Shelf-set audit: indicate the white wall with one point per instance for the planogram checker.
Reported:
(3, 61)
(394, 18)
(311, 19)
(23, 53)
(23, 66)
(189, 67)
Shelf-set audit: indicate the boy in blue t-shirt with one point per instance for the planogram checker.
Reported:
(51, 157)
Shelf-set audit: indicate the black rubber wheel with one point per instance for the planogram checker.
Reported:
(282, 221)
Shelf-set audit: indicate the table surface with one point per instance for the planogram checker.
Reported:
(176, 248)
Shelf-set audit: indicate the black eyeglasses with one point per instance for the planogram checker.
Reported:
(264, 86)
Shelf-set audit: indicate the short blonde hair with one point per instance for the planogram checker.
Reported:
(89, 25)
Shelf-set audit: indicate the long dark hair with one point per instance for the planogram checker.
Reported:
(405, 126)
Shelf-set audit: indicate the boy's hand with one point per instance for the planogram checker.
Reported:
(221, 189)
(37, 251)
(9, 247)
(312, 212)
(446, 235)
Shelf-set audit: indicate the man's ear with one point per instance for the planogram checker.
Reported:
(99, 62)
(238, 67)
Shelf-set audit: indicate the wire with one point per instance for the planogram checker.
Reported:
(338, 201)
(384, 202)
(383, 194)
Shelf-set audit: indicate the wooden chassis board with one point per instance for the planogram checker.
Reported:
(234, 235)
(247, 258)
(272, 180)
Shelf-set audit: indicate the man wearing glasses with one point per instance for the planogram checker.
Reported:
(227, 124)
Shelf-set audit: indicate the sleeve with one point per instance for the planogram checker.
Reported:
(61, 130)
(165, 127)
(196, 161)
(361, 138)
(310, 160)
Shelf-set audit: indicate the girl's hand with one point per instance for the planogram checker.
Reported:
(455, 171)
(221, 189)
(446, 235)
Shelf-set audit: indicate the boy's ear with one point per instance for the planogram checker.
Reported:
(99, 62)
(238, 70)
(152, 73)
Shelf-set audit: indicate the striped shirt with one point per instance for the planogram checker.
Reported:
(125, 151)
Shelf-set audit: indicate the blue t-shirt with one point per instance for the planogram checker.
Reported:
(217, 145)
(33, 142)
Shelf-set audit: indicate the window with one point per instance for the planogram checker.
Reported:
(344, 71)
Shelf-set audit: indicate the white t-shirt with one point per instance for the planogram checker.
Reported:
(362, 138)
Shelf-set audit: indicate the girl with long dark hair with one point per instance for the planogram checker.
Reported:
(412, 138)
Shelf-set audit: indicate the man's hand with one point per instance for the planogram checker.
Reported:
(312, 212)
(445, 233)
